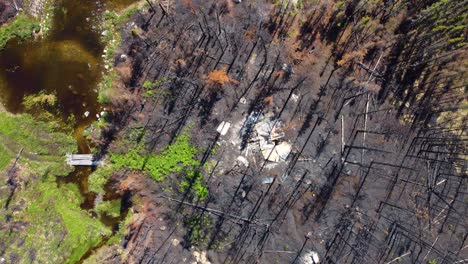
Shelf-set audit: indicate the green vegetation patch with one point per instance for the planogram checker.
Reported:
(47, 224)
(179, 157)
(199, 229)
(109, 208)
(111, 37)
(58, 227)
(43, 146)
(174, 159)
(22, 28)
(5, 158)
(149, 87)
(99, 178)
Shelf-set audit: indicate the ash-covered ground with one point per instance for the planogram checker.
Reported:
(307, 157)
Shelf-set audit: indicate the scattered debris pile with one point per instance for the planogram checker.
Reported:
(265, 134)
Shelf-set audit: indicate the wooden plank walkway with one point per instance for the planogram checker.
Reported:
(82, 160)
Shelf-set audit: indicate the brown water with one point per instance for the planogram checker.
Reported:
(68, 63)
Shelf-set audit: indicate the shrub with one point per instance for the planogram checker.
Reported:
(22, 28)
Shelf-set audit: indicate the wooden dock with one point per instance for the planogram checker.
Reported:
(82, 160)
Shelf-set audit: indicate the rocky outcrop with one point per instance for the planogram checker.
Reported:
(36, 7)
(8, 10)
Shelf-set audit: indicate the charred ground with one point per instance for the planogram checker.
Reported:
(376, 172)
(346, 132)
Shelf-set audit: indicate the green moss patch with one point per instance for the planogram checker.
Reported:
(45, 221)
(22, 28)
(59, 230)
(44, 146)
(109, 208)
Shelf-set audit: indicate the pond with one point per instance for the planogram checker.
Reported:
(68, 63)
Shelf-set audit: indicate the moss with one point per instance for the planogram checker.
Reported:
(22, 28)
(99, 178)
(41, 142)
(119, 235)
(5, 158)
(109, 208)
(71, 239)
(53, 225)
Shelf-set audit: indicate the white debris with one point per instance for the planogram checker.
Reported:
(86, 114)
(267, 181)
(175, 242)
(295, 97)
(200, 258)
(104, 33)
(276, 153)
(269, 129)
(243, 100)
(243, 161)
(310, 257)
(223, 128)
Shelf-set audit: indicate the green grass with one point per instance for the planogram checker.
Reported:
(75, 232)
(22, 28)
(54, 225)
(5, 158)
(44, 146)
(43, 139)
